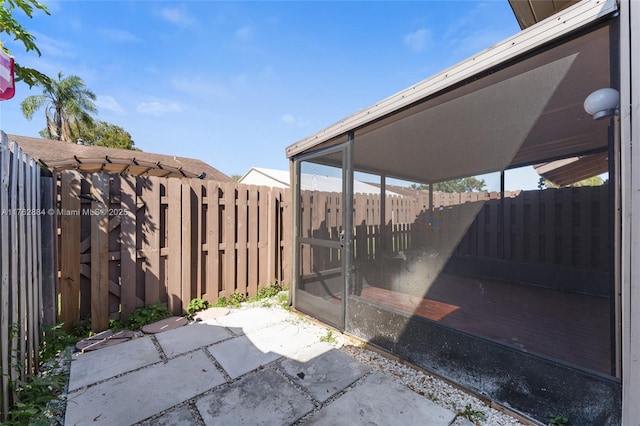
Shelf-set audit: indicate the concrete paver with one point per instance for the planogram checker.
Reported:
(243, 354)
(323, 370)
(246, 321)
(190, 337)
(378, 400)
(190, 384)
(95, 366)
(140, 394)
(263, 398)
(178, 417)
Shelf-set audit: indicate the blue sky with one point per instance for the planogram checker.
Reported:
(235, 83)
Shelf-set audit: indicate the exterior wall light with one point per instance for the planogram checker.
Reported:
(602, 103)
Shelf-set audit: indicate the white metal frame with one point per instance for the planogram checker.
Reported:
(630, 163)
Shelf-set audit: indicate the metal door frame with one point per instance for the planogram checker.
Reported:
(346, 245)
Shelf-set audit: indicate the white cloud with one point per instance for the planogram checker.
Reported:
(177, 16)
(158, 108)
(106, 102)
(52, 47)
(418, 40)
(198, 87)
(118, 36)
(244, 33)
(293, 120)
(288, 118)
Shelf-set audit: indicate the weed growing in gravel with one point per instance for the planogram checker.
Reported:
(34, 394)
(263, 297)
(283, 301)
(474, 416)
(558, 420)
(329, 337)
(55, 341)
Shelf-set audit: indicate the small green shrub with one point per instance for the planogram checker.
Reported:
(116, 325)
(267, 292)
(147, 315)
(236, 299)
(196, 305)
(222, 302)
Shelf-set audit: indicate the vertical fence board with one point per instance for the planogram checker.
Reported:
(128, 245)
(31, 309)
(19, 289)
(49, 249)
(70, 250)
(199, 216)
(174, 246)
(272, 246)
(151, 232)
(14, 318)
(100, 252)
(229, 242)
(252, 251)
(213, 241)
(263, 237)
(5, 249)
(287, 239)
(186, 226)
(242, 283)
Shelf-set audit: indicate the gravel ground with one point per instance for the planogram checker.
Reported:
(437, 390)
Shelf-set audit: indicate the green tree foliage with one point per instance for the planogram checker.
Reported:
(468, 184)
(68, 106)
(592, 181)
(107, 134)
(10, 26)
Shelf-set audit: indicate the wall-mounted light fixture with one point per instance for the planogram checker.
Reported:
(602, 103)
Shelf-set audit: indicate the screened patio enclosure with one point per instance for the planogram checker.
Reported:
(509, 289)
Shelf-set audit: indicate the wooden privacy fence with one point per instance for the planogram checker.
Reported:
(131, 241)
(567, 226)
(20, 268)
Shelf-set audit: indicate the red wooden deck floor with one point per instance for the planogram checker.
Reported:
(569, 327)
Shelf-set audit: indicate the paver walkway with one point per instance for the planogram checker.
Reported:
(251, 367)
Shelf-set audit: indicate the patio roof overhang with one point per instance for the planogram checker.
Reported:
(519, 102)
(130, 166)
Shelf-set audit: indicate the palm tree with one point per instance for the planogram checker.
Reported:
(68, 106)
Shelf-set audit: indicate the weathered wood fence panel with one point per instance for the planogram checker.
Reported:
(131, 242)
(20, 268)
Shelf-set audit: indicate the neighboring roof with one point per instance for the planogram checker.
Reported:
(58, 155)
(516, 103)
(530, 12)
(571, 170)
(269, 177)
(280, 178)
